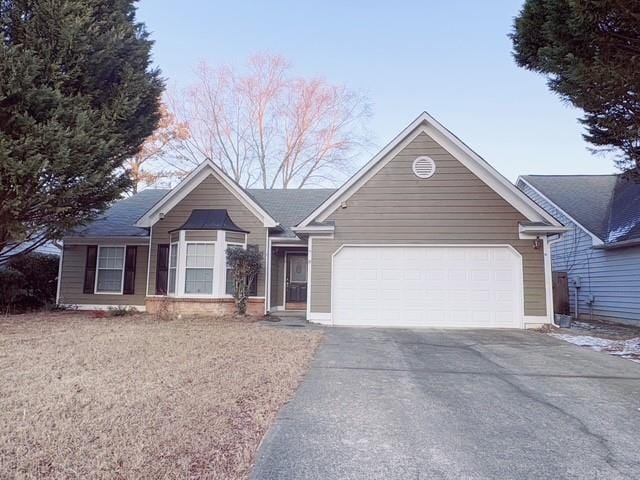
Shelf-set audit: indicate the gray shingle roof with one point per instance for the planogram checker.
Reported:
(606, 205)
(290, 207)
(119, 219)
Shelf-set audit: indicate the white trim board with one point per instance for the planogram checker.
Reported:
(595, 240)
(189, 183)
(309, 254)
(318, 317)
(425, 123)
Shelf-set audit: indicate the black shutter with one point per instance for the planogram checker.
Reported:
(130, 270)
(162, 269)
(90, 269)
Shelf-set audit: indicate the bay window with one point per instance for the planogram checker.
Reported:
(198, 279)
(173, 267)
(197, 263)
(230, 287)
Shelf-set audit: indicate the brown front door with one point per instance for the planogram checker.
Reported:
(296, 282)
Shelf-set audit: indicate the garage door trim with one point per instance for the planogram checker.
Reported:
(435, 245)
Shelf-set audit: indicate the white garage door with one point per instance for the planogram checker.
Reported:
(427, 286)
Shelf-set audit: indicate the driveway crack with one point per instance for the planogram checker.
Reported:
(531, 395)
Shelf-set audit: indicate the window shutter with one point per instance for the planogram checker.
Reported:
(90, 269)
(130, 270)
(162, 269)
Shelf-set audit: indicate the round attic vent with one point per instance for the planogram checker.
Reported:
(424, 167)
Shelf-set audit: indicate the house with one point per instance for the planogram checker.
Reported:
(600, 254)
(425, 234)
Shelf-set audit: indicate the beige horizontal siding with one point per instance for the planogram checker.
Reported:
(210, 194)
(72, 278)
(452, 207)
(201, 235)
(235, 237)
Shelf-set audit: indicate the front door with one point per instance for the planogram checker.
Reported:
(296, 282)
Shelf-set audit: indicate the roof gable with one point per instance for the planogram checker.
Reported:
(425, 123)
(188, 184)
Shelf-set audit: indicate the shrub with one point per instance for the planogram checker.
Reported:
(122, 311)
(28, 282)
(245, 266)
(166, 311)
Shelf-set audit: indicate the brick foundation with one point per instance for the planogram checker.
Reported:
(215, 307)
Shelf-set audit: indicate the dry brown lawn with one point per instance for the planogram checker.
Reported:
(134, 397)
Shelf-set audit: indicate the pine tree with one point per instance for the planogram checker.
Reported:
(590, 51)
(78, 96)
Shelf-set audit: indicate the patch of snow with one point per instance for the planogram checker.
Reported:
(629, 349)
(620, 231)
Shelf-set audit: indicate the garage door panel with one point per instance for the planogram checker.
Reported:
(427, 286)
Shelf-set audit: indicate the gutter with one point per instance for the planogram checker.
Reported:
(623, 244)
(541, 229)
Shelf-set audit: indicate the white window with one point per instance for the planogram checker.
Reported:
(230, 286)
(110, 269)
(198, 279)
(173, 267)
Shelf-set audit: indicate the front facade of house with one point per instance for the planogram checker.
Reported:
(425, 234)
(600, 253)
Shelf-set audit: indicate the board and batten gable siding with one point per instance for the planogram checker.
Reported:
(209, 194)
(452, 207)
(72, 276)
(611, 276)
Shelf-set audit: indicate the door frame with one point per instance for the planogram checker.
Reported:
(521, 319)
(286, 275)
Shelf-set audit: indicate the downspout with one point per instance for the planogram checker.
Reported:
(548, 244)
(60, 260)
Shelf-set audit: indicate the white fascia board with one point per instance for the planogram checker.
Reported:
(188, 184)
(541, 229)
(315, 229)
(594, 239)
(427, 124)
(119, 240)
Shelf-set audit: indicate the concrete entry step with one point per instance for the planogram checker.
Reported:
(287, 319)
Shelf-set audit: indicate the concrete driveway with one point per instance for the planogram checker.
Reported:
(451, 404)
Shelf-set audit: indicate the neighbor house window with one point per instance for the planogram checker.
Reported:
(173, 267)
(110, 269)
(199, 269)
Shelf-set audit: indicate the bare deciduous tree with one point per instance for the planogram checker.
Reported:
(144, 168)
(268, 129)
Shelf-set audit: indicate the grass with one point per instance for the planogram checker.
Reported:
(133, 397)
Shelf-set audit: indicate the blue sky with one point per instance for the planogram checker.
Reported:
(451, 58)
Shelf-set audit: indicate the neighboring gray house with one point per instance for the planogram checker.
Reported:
(601, 252)
(426, 234)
